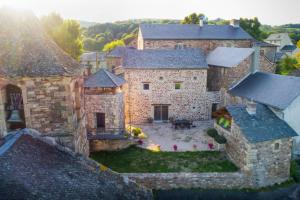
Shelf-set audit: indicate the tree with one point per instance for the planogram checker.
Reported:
(66, 33)
(287, 65)
(298, 44)
(110, 46)
(192, 18)
(252, 26)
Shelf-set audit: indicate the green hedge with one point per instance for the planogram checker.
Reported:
(220, 139)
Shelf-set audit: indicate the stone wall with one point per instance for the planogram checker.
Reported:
(189, 102)
(165, 181)
(206, 45)
(224, 77)
(112, 62)
(112, 104)
(260, 161)
(49, 105)
(266, 65)
(110, 145)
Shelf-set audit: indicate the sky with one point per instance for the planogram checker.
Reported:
(273, 12)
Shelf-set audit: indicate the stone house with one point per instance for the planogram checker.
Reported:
(259, 143)
(206, 37)
(281, 94)
(41, 86)
(104, 102)
(93, 60)
(164, 84)
(279, 39)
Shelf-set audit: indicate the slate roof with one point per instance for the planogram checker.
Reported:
(192, 32)
(26, 49)
(105, 79)
(279, 56)
(228, 56)
(261, 127)
(277, 36)
(270, 89)
(288, 48)
(91, 56)
(264, 44)
(32, 169)
(118, 51)
(163, 58)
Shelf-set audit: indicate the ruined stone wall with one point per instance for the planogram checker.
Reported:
(260, 161)
(189, 102)
(112, 104)
(206, 45)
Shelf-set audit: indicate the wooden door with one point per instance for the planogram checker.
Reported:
(100, 117)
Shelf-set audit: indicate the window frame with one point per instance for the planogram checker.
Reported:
(146, 89)
(176, 84)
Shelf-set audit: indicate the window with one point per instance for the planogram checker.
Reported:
(276, 146)
(161, 78)
(180, 46)
(214, 107)
(195, 78)
(177, 86)
(146, 86)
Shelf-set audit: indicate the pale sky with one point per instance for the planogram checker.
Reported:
(273, 12)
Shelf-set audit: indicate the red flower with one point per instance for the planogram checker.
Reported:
(175, 147)
(210, 146)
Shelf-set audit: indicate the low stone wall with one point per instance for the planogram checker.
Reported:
(167, 181)
(110, 145)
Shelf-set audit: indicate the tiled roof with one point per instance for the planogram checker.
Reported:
(26, 50)
(277, 36)
(261, 127)
(193, 32)
(164, 58)
(228, 56)
(288, 48)
(105, 79)
(270, 89)
(118, 51)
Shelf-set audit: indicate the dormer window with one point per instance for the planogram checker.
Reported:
(180, 46)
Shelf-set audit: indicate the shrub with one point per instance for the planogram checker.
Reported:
(212, 132)
(220, 139)
(136, 132)
(295, 174)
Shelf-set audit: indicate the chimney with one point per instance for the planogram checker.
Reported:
(201, 21)
(251, 107)
(255, 60)
(235, 23)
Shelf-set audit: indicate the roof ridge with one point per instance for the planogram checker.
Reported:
(108, 74)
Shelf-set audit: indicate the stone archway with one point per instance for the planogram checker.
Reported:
(11, 109)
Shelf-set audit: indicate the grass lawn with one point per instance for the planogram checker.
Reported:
(140, 160)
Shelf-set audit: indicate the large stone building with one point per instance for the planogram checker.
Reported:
(41, 86)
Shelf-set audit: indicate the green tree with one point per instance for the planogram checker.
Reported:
(287, 65)
(252, 26)
(66, 33)
(298, 44)
(192, 18)
(110, 46)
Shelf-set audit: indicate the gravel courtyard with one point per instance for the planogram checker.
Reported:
(165, 136)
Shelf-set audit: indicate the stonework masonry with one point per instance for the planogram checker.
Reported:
(111, 104)
(189, 102)
(261, 161)
(49, 105)
(206, 45)
(166, 181)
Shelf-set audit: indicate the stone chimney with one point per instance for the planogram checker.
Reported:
(251, 107)
(201, 21)
(255, 60)
(235, 23)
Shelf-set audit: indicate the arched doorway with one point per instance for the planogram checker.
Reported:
(14, 108)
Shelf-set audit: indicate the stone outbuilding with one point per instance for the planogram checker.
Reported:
(104, 102)
(259, 143)
(40, 85)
